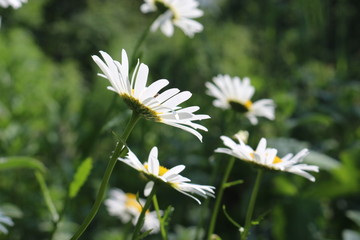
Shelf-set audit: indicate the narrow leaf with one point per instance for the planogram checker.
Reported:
(21, 162)
(46, 195)
(260, 218)
(233, 183)
(144, 234)
(231, 219)
(81, 175)
(323, 161)
(167, 215)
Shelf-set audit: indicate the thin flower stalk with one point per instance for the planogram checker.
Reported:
(161, 220)
(144, 209)
(250, 209)
(219, 198)
(100, 196)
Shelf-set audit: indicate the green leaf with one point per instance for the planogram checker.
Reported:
(46, 195)
(21, 162)
(260, 218)
(167, 215)
(284, 186)
(233, 183)
(80, 177)
(231, 219)
(323, 161)
(144, 234)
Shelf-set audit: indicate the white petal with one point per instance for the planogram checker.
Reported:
(174, 170)
(148, 188)
(177, 99)
(154, 88)
(141, 79)
(153, 162)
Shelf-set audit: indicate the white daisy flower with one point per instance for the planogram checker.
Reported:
(127, 208)
(154, 172)
(147, 101)
(5, 220)
(174, 12)
(266, 157)
(13, 3)
(236, 94)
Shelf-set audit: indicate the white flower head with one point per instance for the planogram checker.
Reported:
(155, 172)
(178, 13)
(128, 208)
(147, 100)
(267, 157)
(13, 3)
(5, 221)
(236, 94)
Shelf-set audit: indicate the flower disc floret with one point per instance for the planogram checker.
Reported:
(157, 173)
(267, 157)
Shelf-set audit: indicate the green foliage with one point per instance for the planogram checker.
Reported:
(7, 163)
(80, 177)
(53, 108)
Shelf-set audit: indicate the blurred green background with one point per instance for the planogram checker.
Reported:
(304, 54)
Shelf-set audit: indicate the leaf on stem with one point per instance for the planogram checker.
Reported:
(81, 175)
(21, 162)
(260, 218)
(167, 215)
(233, 183)
(47, 197)
(231, 219)
(144, 234)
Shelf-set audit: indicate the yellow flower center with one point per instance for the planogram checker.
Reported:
(131, 202)
(240, 107)
(248, 104)
(277, 160)
(162, 170)
(140, 108)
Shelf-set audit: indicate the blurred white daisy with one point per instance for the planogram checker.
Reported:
(154, 172)
(174, 12)
(13, 3)
(236, 94)
(5, 221)
(127, 208)
(243, 135)
(267, 157)
(147, 101)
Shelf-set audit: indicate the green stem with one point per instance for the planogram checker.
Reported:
(100, 196)
(162, 227)
(143, 212)
(219, 197)
(140, 41)
(250, 209)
